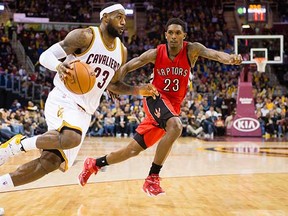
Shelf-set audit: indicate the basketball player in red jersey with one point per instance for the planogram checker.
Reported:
(172, 64)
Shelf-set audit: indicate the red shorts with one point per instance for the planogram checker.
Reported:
(152, 128)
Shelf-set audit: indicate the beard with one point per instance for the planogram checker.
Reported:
(112, 31)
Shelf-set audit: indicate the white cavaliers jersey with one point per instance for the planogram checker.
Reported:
(104, 61)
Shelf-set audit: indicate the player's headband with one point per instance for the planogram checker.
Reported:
(111, 9)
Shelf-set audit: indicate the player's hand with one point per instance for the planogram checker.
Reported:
(235, 59)
(64, 69)
(148, 90)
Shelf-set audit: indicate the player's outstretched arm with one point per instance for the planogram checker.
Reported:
(117, 84)
(145, 58)
(123, 89)
(197, 49)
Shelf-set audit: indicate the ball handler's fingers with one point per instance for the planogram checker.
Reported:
(60, 69)
(65, 69)
(70, 64)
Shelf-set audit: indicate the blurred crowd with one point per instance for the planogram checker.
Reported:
(210, 103)
(56, 11)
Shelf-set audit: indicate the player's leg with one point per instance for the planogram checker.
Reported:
(139, 143)
(151, 185)
(65, 126)
(65, 139)
(49, 161)
(173, 131)
(131, 150)
(92, 165)
(148, 139)
(169, 121)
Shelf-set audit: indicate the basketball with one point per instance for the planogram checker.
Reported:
(80, 81)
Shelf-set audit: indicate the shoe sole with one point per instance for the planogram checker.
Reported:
(78, 181)
(5, 144)
(153, 195)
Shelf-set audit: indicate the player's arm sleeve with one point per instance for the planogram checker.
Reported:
(49, 58)
(75, 39)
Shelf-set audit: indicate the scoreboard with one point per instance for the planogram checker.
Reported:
(257, 13)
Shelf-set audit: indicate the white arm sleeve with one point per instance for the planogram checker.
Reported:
(49, 58)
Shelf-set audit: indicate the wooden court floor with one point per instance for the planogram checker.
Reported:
(240, 177)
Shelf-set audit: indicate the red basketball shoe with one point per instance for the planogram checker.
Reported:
(88, 169)
(152, 185)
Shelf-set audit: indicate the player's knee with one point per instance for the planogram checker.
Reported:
(70, 139)
(133, 149)
(174, 125)
(49, 161)
(133, 152)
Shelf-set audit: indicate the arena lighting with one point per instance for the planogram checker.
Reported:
(241, 10)
(2, 7)
(245, 26)
(129, 11)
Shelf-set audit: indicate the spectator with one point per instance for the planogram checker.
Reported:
(98, 127)
(185, 121)
(109, 124)
(194, 127)
(121, 123)
(219, 126)
(133, 123)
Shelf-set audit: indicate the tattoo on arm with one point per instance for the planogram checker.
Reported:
(77, 39)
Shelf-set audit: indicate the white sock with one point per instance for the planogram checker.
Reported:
(6, 182)
(29, 143)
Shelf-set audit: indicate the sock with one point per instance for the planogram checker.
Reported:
(29, 143)
(100, 162)
(155, 169)
(6, 182)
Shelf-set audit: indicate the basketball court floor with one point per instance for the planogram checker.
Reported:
(228, 176)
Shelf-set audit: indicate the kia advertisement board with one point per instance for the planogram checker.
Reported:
(245, 122)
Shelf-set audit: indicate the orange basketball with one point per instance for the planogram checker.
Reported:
(80, 81)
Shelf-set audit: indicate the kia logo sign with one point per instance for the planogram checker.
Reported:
(246, 124)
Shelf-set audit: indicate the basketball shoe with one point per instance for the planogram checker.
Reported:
(11, 147)
(152, 185)
(88, 169)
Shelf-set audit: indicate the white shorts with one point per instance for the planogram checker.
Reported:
(61, 111)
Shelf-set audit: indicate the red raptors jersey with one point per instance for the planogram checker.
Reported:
(171, 76)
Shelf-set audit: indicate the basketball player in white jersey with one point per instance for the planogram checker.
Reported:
(68, 115)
